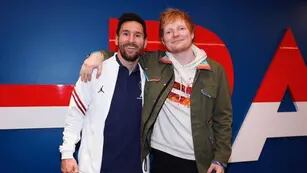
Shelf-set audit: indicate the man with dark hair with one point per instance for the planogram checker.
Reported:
(107, 110)
(131, 17)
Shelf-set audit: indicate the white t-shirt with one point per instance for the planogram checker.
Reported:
(172, 131)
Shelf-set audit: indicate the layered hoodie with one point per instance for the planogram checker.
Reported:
(172, 131)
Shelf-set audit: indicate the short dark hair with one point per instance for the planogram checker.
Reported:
(126, 17)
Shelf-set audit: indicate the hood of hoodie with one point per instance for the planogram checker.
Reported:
(184, 74)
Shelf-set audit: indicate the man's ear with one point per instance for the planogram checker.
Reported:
(162, 41)
(145, 43)
(116, 40)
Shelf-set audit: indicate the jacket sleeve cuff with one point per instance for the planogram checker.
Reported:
(224, 165)
(67, 155)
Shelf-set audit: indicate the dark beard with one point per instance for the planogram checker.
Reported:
(126, 56)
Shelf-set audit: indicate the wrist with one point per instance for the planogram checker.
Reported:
(224, 165)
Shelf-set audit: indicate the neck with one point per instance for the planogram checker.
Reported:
(130, 65)
(184, 57)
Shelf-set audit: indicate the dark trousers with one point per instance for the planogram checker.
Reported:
(162, 162)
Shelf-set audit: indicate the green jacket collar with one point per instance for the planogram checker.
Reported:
(204, 65)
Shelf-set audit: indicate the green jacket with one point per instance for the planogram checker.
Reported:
(211, 110)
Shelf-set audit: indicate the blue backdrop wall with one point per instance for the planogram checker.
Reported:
(45, 42)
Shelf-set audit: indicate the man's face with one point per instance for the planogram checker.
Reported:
(130, 40)
(177, 37)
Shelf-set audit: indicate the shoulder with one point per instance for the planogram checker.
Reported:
(214, 65)
(110, 61)
(109, 67)
(151, 58)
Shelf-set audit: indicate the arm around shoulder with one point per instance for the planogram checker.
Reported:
(93, 61)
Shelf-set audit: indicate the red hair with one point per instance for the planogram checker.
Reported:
(172, 14)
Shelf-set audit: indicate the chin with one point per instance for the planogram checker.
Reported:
(177, 49)
(132, 58)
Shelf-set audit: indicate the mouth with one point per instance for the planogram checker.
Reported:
(131, 47)
(177, 41)
(131, 50)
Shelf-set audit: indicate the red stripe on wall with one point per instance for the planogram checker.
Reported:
(35, 95)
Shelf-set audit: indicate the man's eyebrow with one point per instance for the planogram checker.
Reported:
(135, 32)
(125, 30)
(138, 32)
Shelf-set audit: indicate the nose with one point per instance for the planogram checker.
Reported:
(175, 33)
(131, 38)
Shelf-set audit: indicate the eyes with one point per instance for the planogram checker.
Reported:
(138, 35)
(182, 28)
(168, 31)
(128, 34)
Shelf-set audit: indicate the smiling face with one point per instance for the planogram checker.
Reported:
(176, 30)
(176, 36)
(131, 40)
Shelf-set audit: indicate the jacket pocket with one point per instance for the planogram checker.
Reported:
(209, 91)
(208, 96)
(153, 78)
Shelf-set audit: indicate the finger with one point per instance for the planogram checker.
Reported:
(89, 74)
(210, 169)
(99, 69)
(76, 169)
(85, 73)
(63, 168)
(82, 74)
(220, 170)
(82, 77)
(66, 170)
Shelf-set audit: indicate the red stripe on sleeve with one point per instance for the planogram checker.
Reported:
(78, 105)
(79, 100)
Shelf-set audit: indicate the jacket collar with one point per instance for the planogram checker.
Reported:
(204, 65)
